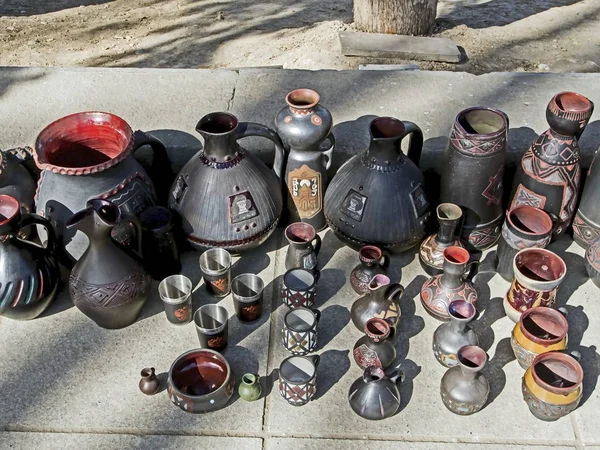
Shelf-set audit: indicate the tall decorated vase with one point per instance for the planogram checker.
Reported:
(550, 172)
(472, 172)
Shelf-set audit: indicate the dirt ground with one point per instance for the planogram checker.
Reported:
(496, 35)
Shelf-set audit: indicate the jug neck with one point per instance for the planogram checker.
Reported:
(385, 151)
(378, 287)
(96, 221)
(219, 131)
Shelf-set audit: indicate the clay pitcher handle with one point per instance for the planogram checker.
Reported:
(317, 275)
(317, 315)
(555, 221)
(314, 359)
(317, 244)
(415, 146)
(394, 292)
(328, 154)
(160, 170)
(137, 226)
(396, 375)
(384, 261)
(30, 219)
(246, 129)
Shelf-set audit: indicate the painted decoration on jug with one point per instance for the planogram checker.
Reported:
(305, 188)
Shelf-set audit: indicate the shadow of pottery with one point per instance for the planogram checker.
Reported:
(330, 246)
(576, 272)
(331, 281)
(488, 313)
(334, 319)
(494, 369)
(410, 324)
(411, 371)
(268, 382)
(334, 364)
(241, 360)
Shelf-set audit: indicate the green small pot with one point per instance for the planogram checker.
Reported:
(250, 389)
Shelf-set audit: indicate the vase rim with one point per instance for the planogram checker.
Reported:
(300, 233)
(471, 358)
(461, 310)
(9, 208)
(193, 354)
(379, 330)
(379, 281)
(49, 140)
(370, 253)
(563, 358)
(386, 128)
(555, 316)
(539, 216)
(576, 102)
(463, 114)
(554, 264)
(217, 124)
(302, 99)
(456, 255)
(449, 209)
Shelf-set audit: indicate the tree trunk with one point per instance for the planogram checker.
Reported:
(412, 17)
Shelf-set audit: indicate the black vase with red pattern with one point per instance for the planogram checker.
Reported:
(472, 171)
(550, 173)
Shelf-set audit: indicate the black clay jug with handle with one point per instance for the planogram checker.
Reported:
(226, 196)
(108, 284)
(377, 197)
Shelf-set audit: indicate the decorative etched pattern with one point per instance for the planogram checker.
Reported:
(522, 298)
(584, 231)
(543, 410)
(524, 196)
(465, 143)
(297, 394)
(493, 191)
(519, 243)
(432, 254)
(524, 357)
(447, 359)
(295, 299)
(366, 357)
(435, 297)
(306, 191)
(486, 236)
(109, 295)
(463, 409)
(593, 255)
(299, 343)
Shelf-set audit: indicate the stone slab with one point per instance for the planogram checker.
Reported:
(331, 444)
(69, 441)
(378, 45)
(61, 372)
(422, 415)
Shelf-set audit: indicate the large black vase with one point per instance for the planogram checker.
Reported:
(226, 196)
(472, 171)
(377, 197)
(549, 174)
(304, 125)
(107, 284)
(29, 273)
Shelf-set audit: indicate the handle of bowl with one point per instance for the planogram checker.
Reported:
(246, 129)
(317, 275)
(315, 359)
(415, 146)
(317, 315)
(31, 219)
(160, 170)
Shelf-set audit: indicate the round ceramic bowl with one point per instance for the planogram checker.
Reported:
(200, 381)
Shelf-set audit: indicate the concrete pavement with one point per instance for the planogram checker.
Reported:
(66, 383)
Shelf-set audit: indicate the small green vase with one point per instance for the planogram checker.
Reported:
(250, 389)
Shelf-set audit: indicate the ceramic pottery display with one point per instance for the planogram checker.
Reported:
(298, 379)
(476, 151)
(176, 293)
(107, 284)
(226, 196)
(377, 197)
(149, 383)
(299, 333)
(375, 349)
(247, 292)
(550, 172)
(586, 225)
(464, 388)
(372, 262)
(304, 247)
(215, 265)
(438, 291)
(382, 302)
(299, 288)
(524, 227)
(161, 256)
(450, 337)
(16, 181)
(29, 273)
(89, 155)
(250, 389)
(538, 273)
(304, 127)
(592, 261)
(539, 330)
(375, 396)
(431, 252)
(200, 381)
(552, 387)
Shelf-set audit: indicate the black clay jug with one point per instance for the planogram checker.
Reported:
(108, 284)
(226, 196)
(377, 197)
(29, 273)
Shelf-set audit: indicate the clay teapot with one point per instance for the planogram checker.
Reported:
(226, 196)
